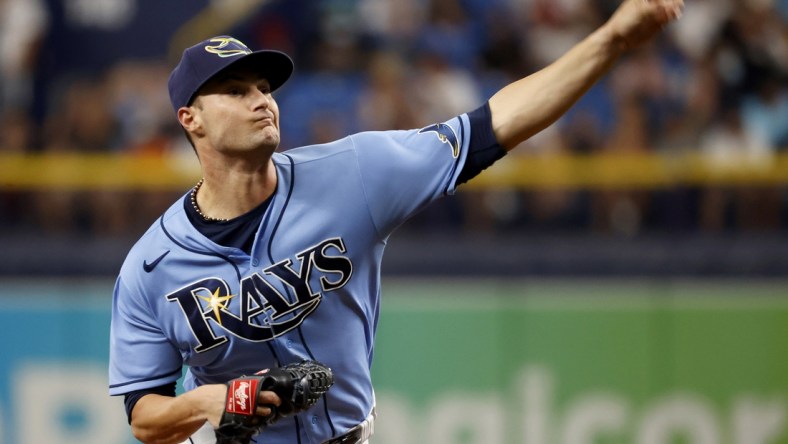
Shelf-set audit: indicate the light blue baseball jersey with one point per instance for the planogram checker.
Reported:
(309, 290)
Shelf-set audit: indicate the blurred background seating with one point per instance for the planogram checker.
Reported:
(89, 79)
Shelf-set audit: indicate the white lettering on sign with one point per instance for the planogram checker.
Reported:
(66, 403)
(537, 412)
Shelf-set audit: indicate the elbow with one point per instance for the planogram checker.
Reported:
(149, 436)
(142, 435)
(512, 124)
(145, 436)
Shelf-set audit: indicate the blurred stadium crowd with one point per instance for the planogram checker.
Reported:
(90, 76)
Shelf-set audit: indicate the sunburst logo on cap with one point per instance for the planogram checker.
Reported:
(236, 47)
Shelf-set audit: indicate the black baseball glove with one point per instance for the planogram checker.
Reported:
(299, 385)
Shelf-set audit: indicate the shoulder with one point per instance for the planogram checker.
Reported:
(345, 146)
(310, 153)
(348, 145)
(147, 250)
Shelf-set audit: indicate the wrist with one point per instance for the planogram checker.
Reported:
(208, 402)
(611, 40)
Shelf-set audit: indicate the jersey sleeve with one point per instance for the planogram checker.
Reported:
(141, 356)
(403, 171)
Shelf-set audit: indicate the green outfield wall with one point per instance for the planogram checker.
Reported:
(583, 362)
(469, 361)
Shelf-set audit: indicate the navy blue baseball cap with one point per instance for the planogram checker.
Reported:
(206, 59)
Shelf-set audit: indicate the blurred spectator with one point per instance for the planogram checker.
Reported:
(699, 28)
(391, 24)
(503, 52)
(21, 28)
(728, 146)
(139, 102)
(16, 131)
(80, 120)
(450, 33)
(442, 90)
(386, 101)
(765, 112)
(552, 27)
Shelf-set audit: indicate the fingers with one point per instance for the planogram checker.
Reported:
(674, 9)
(264, 411)
(671, 9)
(265, 401)
(638, 21)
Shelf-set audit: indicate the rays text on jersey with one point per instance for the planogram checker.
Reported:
(267, 304)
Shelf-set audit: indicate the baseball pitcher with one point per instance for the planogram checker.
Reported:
(263, 280)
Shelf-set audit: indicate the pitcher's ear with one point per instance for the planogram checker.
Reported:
(189, 119)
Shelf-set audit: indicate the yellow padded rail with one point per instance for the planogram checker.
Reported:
(601, 171)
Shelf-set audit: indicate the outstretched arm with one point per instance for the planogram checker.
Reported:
(527, 106)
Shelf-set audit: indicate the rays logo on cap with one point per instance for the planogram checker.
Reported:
(227, 47)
